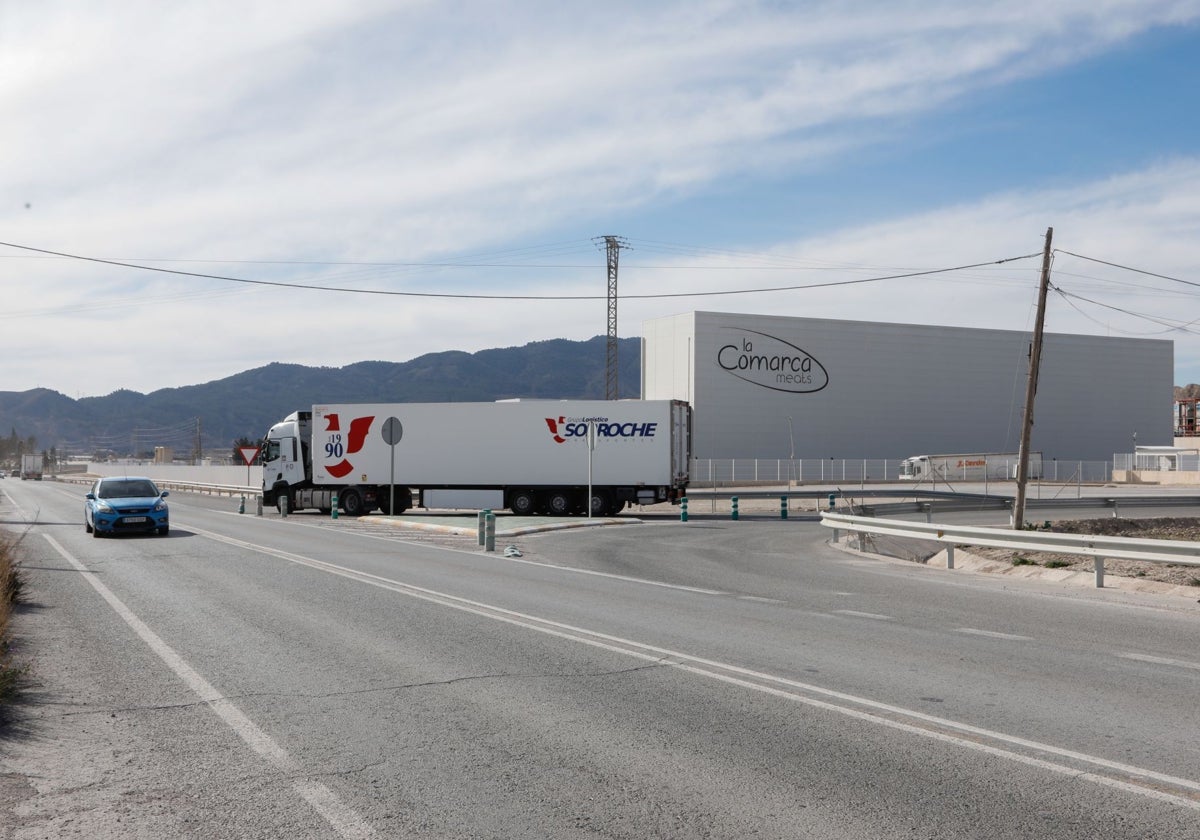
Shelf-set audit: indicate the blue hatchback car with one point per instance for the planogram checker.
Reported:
(124, 504)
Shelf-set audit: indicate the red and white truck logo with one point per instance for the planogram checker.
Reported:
(335, 447)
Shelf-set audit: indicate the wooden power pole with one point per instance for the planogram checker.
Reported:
(1035, 360)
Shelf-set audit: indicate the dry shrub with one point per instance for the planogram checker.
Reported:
(11, 591)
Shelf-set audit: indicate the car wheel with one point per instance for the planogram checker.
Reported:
(96, 533)
(87, 526)
(164, 530)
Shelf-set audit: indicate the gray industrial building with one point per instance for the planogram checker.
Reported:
(777, 387)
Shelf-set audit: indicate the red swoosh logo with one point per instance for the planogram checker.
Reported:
(341, 469)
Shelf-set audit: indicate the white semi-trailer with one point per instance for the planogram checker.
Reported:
(975, 466)
(31, 466)
(530, 457)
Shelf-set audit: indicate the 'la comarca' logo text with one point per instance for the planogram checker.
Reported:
(771, 362)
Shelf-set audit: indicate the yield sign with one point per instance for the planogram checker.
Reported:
(249, 453)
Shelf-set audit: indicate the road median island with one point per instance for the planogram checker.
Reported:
(462, 524)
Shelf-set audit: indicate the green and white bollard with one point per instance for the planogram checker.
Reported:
(683, 509)
(783, 507)
(242, 505)
(333, 509)
(489, 537)
(733, 508)
(832, 500)
(482, 524)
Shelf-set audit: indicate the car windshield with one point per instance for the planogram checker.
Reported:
(127, 489)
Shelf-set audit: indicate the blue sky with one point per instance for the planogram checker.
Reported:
(470, 148)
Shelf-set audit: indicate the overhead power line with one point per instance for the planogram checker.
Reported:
(1168, 324)
(464, 296)
(1128, 268)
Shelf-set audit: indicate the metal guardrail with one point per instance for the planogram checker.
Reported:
(213, 489)
(188, 486)
(1096, 546)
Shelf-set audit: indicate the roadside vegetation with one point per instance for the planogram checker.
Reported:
(1186, 529)
(12, 585)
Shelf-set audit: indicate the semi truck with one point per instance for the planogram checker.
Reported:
(531, 457)
(976, 466)
(31, 467)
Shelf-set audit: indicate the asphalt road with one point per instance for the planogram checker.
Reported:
(255, 677)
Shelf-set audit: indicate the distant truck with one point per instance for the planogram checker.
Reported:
(977, 466)
(31, 467)
(528, 456)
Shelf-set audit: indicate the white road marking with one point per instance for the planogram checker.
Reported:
(644, 581)
(344, 820)
(858, 614)
(992, 634)
(1161, 660)
(1125, 777)
(526, 561)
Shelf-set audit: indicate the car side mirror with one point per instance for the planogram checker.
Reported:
(91, 496)
(164, 494)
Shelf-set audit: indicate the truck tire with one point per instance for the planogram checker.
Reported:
(403, 499)
(560, 502)
(352, 503)
(602, 504)
(522, 502)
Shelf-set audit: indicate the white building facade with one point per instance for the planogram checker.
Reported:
(778, 387)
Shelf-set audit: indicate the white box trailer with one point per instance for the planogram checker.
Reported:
(31, 466)
(975, 466)
(534, 454)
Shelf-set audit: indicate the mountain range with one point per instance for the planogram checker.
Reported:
(243, 406)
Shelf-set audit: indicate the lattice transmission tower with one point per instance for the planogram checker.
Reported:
(613, 246)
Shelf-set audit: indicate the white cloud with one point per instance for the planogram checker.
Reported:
(414, 132)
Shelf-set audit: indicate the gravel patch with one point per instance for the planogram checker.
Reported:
(1186, 529)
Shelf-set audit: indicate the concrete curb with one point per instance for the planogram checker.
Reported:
(968, 562)
(516, 531)
(965, 561)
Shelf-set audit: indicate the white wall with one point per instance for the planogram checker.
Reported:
(892, 390)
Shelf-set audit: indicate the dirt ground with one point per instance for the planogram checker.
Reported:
(1168, 528)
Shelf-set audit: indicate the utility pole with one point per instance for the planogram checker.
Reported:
(1035, 360)
(613, 245)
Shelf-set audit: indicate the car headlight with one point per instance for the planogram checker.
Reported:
(160, 505)
(104, 507)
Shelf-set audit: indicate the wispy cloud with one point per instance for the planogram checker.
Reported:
(377, 131)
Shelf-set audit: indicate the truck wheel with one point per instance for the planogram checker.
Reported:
(403, 499)
(522, 502)
(352, 503)
(601, 503)
(560, 502)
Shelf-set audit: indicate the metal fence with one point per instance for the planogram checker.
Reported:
(715, 472)
(1157, 462)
